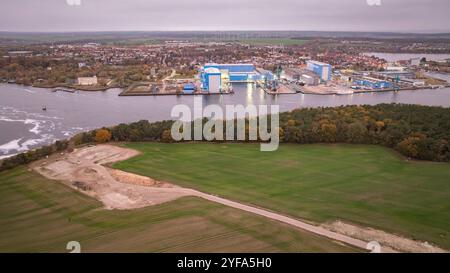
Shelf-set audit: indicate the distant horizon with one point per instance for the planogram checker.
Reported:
(61, 16)
(231, 30)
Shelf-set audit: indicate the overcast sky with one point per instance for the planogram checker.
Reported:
(325, 15)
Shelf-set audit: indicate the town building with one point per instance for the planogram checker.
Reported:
(395, 75)
(395, 68)
(414, 82)
(303, 75)
(86, 81)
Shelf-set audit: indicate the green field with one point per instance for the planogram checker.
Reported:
(367, 185)
(39, 215)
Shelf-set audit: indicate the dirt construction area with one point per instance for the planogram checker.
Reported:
(84, 170)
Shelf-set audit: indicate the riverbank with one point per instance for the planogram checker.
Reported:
(348, 91)
(70, 113)
(164, 89)
(67, 86)
(77, 87)
(285, 90)
(173, 94)
(403, 89)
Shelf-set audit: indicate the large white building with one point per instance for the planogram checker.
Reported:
(323, 70)
(212, 81)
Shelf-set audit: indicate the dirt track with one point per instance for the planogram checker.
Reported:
(84, 170)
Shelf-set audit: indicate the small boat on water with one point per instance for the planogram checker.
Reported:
(44, 108)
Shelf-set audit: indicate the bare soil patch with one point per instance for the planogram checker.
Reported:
(134, 179)
(393, 241)
(83, 170)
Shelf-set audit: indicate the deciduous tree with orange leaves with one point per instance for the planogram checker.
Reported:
(102, 136)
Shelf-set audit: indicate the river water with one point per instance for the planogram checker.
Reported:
(24, 125)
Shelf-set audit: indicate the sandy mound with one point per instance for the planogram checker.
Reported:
(134, 179)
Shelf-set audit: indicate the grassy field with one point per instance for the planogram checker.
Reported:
(39, 215)
(366, 185)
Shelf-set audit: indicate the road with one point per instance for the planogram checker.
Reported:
(287, 220)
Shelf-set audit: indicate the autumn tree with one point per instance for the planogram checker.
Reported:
(102, 136)
(410, 145)
(325, 130)
(356, 132)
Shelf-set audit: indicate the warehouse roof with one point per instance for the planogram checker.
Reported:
(212, 70)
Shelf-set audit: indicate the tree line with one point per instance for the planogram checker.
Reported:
(47, 72)
(419, 132)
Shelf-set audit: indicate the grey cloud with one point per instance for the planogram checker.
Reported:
(332, 15)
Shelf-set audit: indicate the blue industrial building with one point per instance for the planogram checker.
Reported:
(211, 78)
(232, 68)
(323, 70)
(264, 75)
(235, 72)
(374, 83)
(189, 88)
(218, 77)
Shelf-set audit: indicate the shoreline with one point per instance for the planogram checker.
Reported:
(332, 93)
(123, 93)
(172, 94)
(65, 87)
